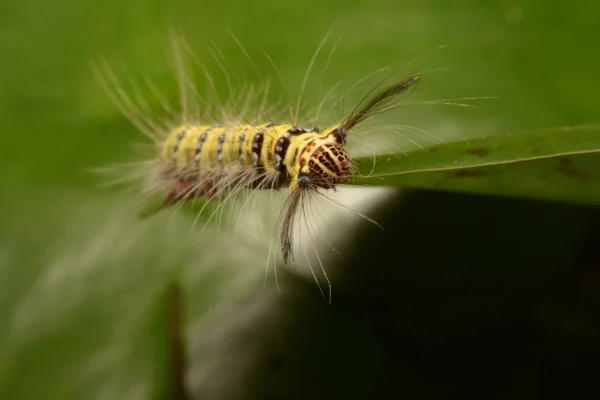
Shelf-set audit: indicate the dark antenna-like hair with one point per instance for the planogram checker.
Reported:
(378, 103)
(288, 224)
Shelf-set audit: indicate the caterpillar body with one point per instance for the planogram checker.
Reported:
(212, 160)
(206, 158)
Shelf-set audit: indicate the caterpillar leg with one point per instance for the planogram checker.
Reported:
(176, 192)
(181, 190)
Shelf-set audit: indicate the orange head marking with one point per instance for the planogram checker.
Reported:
(328, 162)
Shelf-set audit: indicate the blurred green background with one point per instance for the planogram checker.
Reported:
(459, 296)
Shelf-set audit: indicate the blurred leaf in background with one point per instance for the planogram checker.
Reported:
(458, 295)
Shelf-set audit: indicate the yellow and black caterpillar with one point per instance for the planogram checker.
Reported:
(201, 156)
(213, 160)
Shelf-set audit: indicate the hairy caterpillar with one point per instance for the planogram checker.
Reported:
(217, 154)
(212, 161)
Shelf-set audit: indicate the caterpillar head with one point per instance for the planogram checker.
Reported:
(326, 162)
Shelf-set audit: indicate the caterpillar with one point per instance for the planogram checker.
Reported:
(202, 156)
(212, 160)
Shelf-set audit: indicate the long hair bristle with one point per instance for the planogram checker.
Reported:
(379, 102)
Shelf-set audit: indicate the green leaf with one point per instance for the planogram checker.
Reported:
(561, 164)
